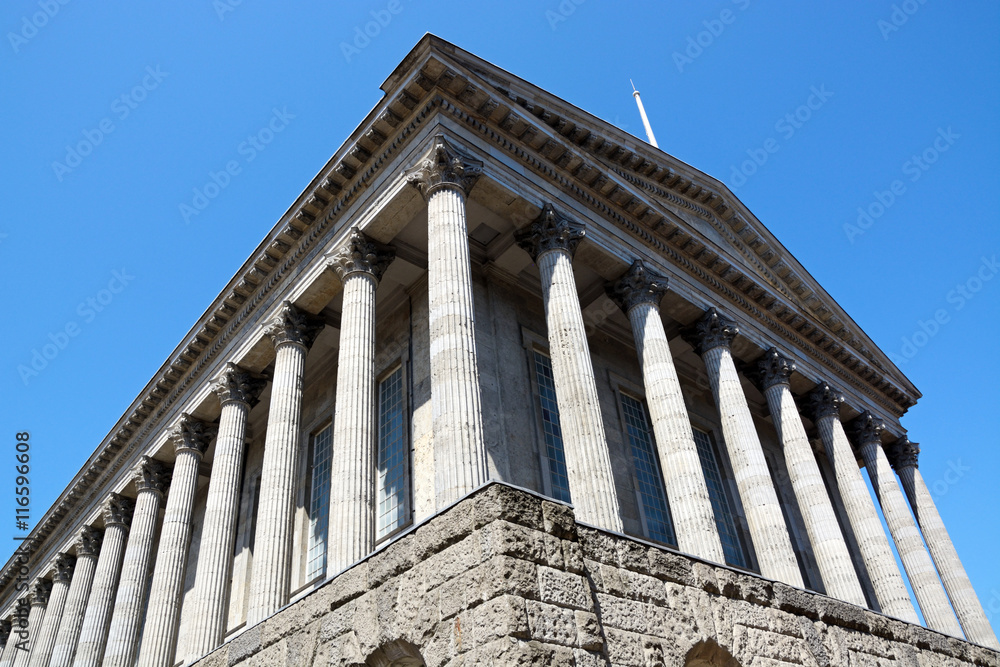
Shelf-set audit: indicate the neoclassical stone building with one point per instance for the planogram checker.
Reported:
(505, 385)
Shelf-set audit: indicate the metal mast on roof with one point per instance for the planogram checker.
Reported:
(642, 112)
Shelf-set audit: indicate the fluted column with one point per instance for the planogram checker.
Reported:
(903, 457)
(5, 643)
(293, 333)
(18, 625)
(828, 544)
(712, 336)
(238, 391)
(88, 547)
(444, 178)
(151, 478)
(45, 642)
(551, 240)
(920, 570)
(359, 263)
(638, 293)
(39, 597)
(117, 513)
(890, 590)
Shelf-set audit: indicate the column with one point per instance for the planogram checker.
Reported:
(903, 457)
(39, 597)
(916, 561)
(875, 551)
(359, 263)
(292, 332)
(638, 293)
(151, 479)
(834, 560)
(238, 391)
(87, 548)
(117, 513)
(5, 643)
(551, 240)
(444, 178)
(45, 642)
(712, 336)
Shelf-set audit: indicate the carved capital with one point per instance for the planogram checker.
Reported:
(190, 434)
(711, 331)
(774, 369)
(90, 542)
(292, 326)
(638, 285)
(360, 254)
(867, 429)
(63, 566)
(444, 166)
(151, 475)
(550, 231)
(824, 401)
(236, 384)
(117, 511)
(39, 593)
(903, 454)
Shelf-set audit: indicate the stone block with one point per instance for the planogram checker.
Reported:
(500, 502)
(564, 589)
(794, 600)
(393, 560)
(506, 575)
(558, 520)
(346, 586)
(504, 616)
(597, 545)
(442, 531)
(671, 567)
(633, 556)
(244, 646)
(551, 624)
(586, 658)
(625, 648)
(573, 557)
(452, 561)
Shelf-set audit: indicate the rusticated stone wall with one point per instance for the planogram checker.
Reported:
(505, 577)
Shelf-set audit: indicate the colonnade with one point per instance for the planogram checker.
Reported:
(93, 608)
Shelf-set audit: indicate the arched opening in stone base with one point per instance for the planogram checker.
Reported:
(707, 653)
(398, 653)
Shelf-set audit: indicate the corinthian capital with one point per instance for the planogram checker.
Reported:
(360, 254)
(117, 511)
(63, 566)
(637, 285)
(824, 401)
(711, 331)
(40, 591)
(903, 454)
(774, 369)
(90, 542)
(236, 384)
(867, 429)
(190, 434)
(550, 231)
(444, 166)
(292, 326)
(151, 475)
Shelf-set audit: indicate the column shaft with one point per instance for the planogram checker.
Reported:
(35, 619)
(916, 560)
(73, 613)
(457, 415)
(215, 553)
(94, 634)
(269, 584)
(683, 476)
(963, 596)
(352, 479)
(753, 479)
(159, 636)
(872, 542)
(41, 652)
(834, 560)
(123, 636)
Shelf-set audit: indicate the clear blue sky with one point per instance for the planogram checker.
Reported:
(719, 80)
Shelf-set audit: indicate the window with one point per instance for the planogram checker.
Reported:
(649, 480)
(553, 454)
(724, 519)
(319, 503)
(393, 457)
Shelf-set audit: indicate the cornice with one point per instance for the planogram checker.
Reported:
(621, 180)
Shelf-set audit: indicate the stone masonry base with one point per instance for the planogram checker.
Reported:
(504, 577)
